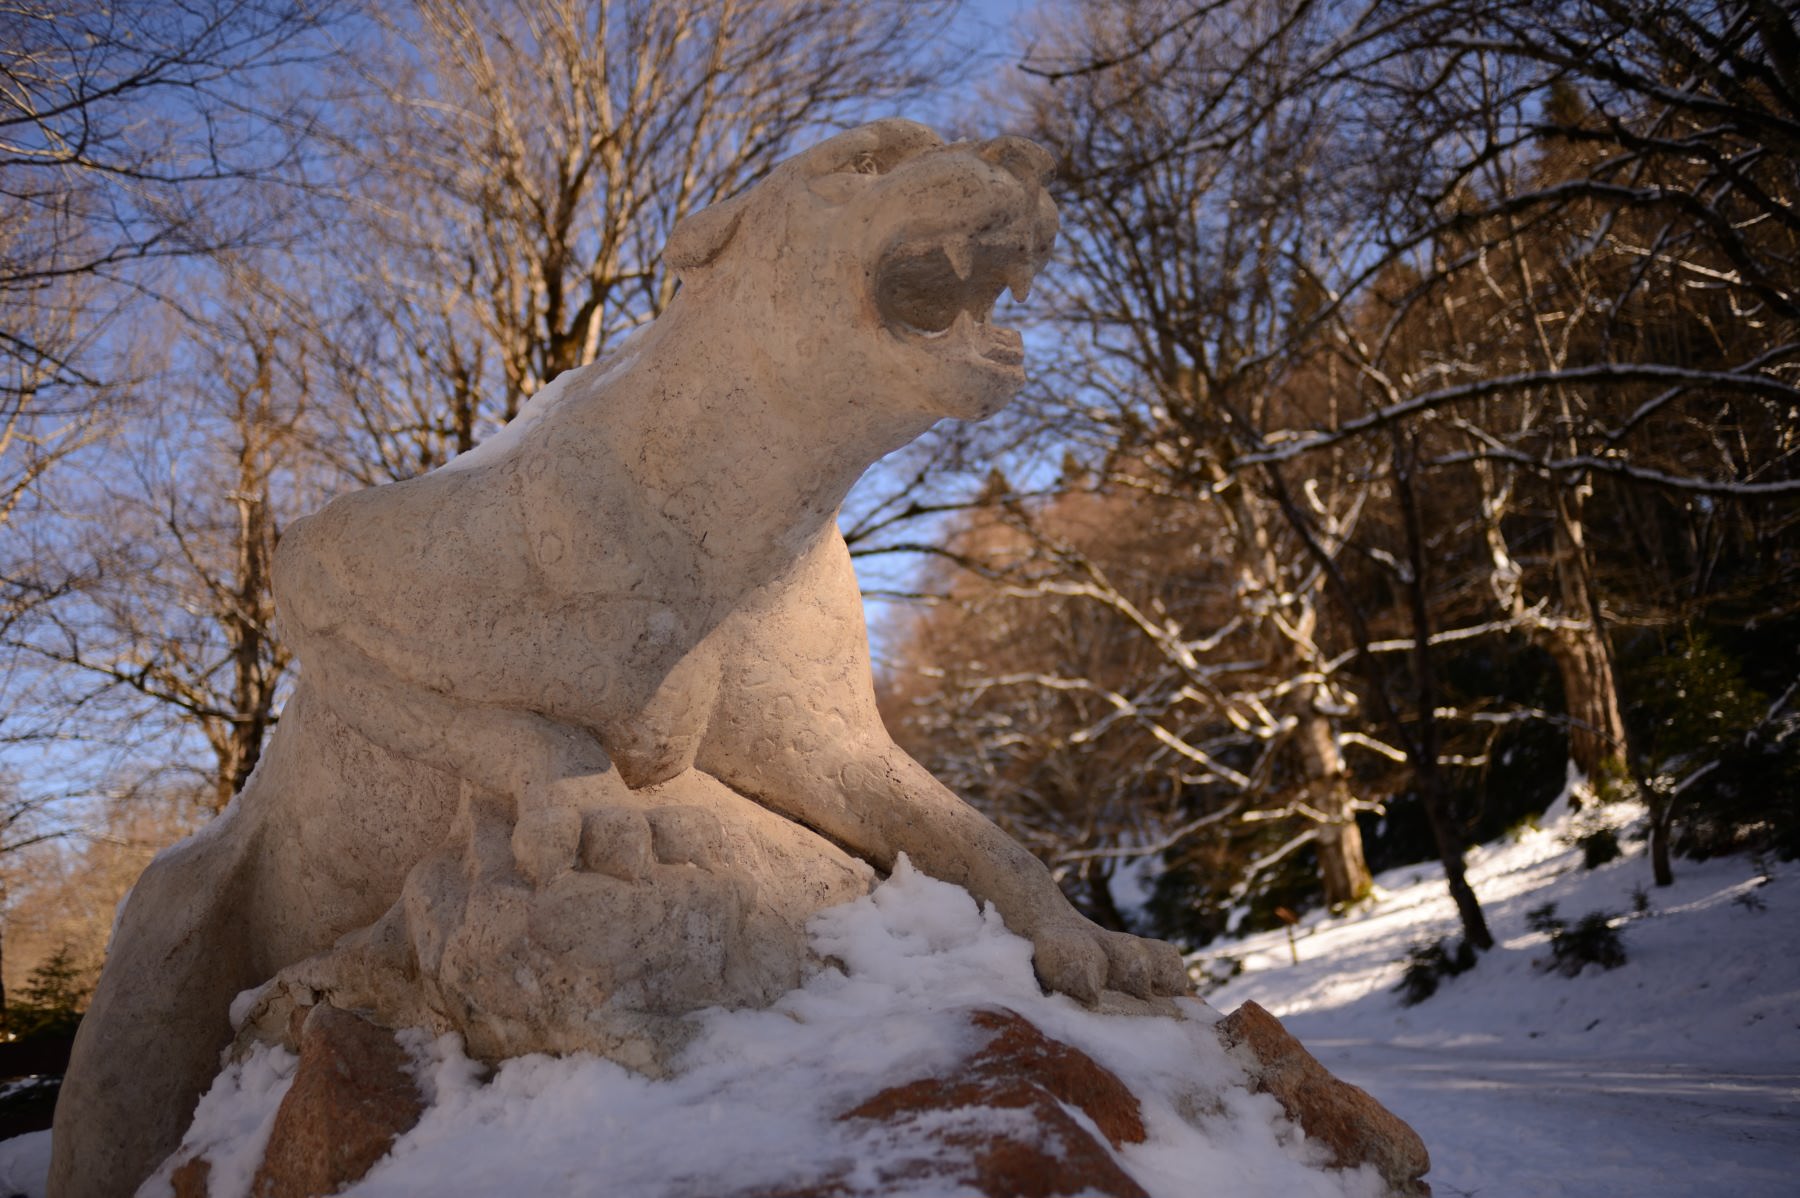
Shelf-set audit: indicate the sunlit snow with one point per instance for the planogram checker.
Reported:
(756, 1101)
(1676, 1075)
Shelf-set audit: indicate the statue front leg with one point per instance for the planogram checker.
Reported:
(874, 800)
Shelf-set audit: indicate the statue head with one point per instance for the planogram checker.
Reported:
(883, 251)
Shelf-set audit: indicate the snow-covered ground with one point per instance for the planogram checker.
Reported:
(756, 1102)
(1676, 1075)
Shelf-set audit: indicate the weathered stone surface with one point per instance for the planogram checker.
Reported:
(1352, 1124)
(516, 967)
(585, 727)
(352, 1097)
(1018, 1051)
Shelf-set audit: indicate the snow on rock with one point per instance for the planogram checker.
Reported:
(758, 1099)
(232, 1123)
(1677, 1074)
(759, 1092)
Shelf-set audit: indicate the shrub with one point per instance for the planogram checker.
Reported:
(1699, 719)
(1428, 964)
(1591, 941)
(1598, 847)
(1522, 827)
(1751, 901)
(1543, 919)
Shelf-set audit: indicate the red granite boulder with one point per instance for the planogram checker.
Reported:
(1356, 1128)
(353, 1096)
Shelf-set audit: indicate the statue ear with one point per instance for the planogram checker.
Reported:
(701, 236)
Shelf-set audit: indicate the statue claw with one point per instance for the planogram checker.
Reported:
(1069, 961)
(547, 842)
(1081, 959)
(688, 836)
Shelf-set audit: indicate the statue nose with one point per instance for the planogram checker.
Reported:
(1023, 159)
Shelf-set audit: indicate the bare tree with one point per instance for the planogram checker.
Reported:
(93, 192)
(1555, 241)
(1179, 300)
(519, 168)
(173, 615)
(1045, 704)
(130, 143)
(1609, 188)
(133, 141)
(63, 894)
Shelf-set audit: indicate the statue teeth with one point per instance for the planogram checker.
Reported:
(1019, 283)
(964, 324)
(962, 257)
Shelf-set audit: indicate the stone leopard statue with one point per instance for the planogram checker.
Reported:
(585, 728)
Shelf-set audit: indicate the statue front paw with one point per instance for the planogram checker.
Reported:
(1144, 968)
(683, 835)
(557, 822)
(547, 841)
(1080, 959)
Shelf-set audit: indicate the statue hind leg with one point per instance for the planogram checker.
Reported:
(304, 857)
(149, 1044)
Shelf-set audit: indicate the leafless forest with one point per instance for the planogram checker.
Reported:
(1414, 424)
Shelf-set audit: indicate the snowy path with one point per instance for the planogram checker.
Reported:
(1676, 1076)
(1523, 1127)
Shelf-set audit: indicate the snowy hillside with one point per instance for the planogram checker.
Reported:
(1676, 1075)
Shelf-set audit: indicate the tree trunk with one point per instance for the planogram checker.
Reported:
(1424, 752)
(1596, 728)
(1597, 739)
(1662, 822)
(1449, 847)
(1422, 748)
(246, 610)
(256, 663)
(1343, 871)
(1661, 871)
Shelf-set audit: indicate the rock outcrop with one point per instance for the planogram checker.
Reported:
(353, 1095)
(1022, 1115)
(1356, 1128)
(1043, 1152)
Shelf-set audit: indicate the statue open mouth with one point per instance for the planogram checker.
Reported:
(946, 290)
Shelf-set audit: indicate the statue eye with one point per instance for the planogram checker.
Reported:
(865, 164)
